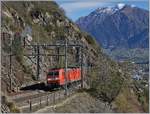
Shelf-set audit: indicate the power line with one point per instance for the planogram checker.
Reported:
(38, 54)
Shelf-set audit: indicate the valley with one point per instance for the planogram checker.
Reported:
(52, 64)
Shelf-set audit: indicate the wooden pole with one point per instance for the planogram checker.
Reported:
(47, 100)
(38, 62)
(10, 70)
(82, 78)
(30, 103)
(66, 89)
(54, 97)
(40, 102)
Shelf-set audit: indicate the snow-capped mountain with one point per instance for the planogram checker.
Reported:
(110, 10)
(120, 26)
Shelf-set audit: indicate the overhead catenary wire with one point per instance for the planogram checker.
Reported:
(38, 54)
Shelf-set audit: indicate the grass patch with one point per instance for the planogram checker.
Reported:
(106, 88)
(12, 107)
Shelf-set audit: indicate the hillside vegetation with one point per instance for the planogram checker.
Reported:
(81, 102)
(45, 22)
(135, 55)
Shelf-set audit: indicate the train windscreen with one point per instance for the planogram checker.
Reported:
(53, 74)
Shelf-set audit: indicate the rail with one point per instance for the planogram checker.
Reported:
(32, 104)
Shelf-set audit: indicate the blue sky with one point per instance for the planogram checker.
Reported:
(77, 8)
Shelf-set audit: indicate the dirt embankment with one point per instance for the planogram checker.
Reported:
(78, 103)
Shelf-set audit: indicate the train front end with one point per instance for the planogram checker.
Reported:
(53, 79)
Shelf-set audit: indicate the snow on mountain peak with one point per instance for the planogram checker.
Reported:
(107, 10)
(120, 5)
(133, 6)
(112, 9)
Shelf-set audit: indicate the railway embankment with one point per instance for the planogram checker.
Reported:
(80, 102)
(33, 98)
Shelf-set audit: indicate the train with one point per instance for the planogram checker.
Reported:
(56, 77)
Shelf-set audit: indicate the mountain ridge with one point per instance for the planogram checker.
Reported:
(117, 27)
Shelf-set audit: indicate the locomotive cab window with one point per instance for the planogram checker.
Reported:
(53, 73)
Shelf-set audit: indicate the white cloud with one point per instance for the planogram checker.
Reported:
(75, 6)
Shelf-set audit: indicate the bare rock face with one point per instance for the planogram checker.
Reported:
(25, 23)
(122, 26)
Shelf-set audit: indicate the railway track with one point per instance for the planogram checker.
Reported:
(31, 101)
(32, 104)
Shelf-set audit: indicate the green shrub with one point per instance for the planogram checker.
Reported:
(144, 99)
(17, 48)
(90, 40)
(107, 89)
(12, 107)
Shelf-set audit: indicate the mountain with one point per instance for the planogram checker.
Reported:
(35, 22)
(43, 22)
(121, 26)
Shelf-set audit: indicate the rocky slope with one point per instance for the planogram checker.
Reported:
(37, 22)
(44, 22)
(121, 26)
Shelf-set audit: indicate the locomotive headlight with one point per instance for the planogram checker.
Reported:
(48, 79)
(56, 78)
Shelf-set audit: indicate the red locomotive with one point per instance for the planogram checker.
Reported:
(56, 77)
